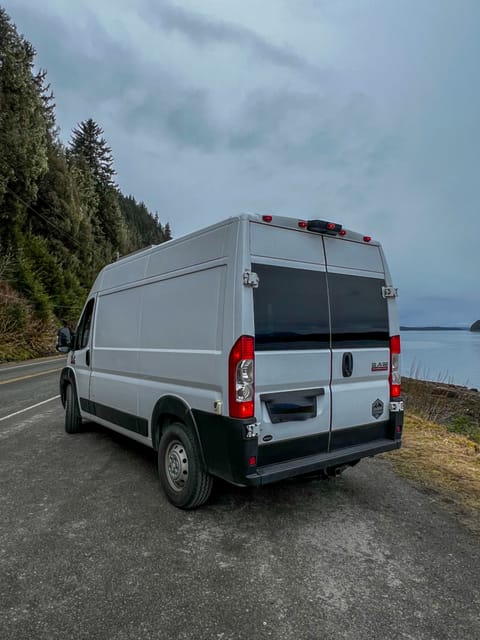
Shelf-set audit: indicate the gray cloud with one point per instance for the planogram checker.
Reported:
(204, 31)
(384, 137)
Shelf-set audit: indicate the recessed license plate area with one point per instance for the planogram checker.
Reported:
(291, 406)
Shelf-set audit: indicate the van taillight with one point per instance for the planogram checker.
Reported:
(241, 392)
(395, 374)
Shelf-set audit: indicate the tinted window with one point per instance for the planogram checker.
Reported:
(84, 326)
(291, 309)
(359, 311)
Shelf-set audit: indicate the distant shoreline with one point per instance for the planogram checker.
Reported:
(402, 328)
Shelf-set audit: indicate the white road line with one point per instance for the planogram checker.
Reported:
(28, 408)
(30, 364)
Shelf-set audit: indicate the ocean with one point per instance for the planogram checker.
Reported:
(445, 356)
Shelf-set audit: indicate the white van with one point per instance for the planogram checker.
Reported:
(257, 349)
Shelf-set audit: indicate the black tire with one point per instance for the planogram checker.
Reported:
(186, 483)
(73, 420)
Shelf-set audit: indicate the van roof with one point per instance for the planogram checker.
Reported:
(296, 224)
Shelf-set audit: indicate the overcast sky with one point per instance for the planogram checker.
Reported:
(365, 112)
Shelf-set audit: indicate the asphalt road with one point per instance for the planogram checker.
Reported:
(90, 548)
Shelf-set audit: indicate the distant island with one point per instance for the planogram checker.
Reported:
(439, 328)
(475, 326)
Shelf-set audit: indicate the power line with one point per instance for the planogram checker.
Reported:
(52, 224)
(17, 299)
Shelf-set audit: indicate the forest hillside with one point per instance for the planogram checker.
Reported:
(62, 216)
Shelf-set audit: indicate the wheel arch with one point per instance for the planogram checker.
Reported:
(67, 376)
(170, 409)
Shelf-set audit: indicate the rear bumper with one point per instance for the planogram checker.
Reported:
(231, 455)
(290, 468)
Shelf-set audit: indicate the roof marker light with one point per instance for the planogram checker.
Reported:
(330, 226)
(303, 224)
(267, 218)
(367, 238)
(343, 232)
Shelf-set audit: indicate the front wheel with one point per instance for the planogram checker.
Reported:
(184, 480)
(73, 419)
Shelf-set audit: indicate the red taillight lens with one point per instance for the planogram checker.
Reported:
(241, 379)
(330, 226)
(395, 374)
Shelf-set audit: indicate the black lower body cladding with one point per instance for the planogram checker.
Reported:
(231, 455)
(227, 451)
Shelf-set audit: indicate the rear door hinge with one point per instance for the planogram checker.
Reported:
(389, 292)
(250, 279)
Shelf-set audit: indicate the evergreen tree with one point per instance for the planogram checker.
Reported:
(167, 232)
(89, 145)
(23, 129)
(48, 104)
(61, 216)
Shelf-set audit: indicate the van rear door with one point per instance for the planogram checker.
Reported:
(360, 389)
(292, 343)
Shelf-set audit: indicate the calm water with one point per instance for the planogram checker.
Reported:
(448, 356)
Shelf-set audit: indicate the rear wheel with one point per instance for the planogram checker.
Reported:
(73, 420)
(184, 480)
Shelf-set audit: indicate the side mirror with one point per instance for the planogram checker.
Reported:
(65, 348)
(62, 348)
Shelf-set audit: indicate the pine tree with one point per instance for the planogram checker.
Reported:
(62, 218)
(48, 104)
(89, 145)
(23, 129)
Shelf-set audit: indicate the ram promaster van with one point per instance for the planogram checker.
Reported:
(257, 349)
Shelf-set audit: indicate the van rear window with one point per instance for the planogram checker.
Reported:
(291, 309)
(359, 312)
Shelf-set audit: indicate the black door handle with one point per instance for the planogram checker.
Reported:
(347, 364)
(87, 358)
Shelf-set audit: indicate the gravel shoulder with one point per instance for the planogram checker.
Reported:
(89, 547)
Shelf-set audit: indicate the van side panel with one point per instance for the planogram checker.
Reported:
(182, 324)
(115, 352)
(204, 247)
(181, 339)
(159, 330)
(123, 273)
(179, 313)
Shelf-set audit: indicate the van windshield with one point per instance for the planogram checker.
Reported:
(291, 308)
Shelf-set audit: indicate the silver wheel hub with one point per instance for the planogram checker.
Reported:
(176, 465)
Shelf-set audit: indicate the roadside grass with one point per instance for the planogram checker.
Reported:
(441, 447)
(455, 407)
(467, 426)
